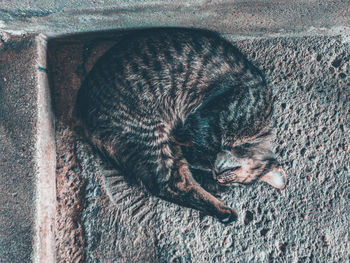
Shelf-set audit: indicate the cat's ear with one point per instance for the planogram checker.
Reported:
(275, 177)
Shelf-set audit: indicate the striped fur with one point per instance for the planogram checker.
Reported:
(157, 87)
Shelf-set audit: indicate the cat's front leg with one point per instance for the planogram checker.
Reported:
(182, 189)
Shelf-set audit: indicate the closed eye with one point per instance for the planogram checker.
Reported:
(240, 151)
(228, 170)
(258, 167)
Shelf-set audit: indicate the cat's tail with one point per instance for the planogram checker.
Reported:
(132, 201)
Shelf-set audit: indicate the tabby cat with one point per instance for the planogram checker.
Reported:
(164, 101)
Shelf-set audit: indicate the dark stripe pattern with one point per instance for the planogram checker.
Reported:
(156, 84)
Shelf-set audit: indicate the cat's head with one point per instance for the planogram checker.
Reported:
(239, 163)
(247, 161)
(245, 153)
(233, 142)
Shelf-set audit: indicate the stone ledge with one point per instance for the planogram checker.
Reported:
(233, 17)
(27, 166)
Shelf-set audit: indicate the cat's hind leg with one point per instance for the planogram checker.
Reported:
(181, 188)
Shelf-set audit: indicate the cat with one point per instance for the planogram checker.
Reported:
(164, 101)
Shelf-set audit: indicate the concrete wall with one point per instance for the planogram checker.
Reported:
(27, 151)
(303, 47)
(17, 148)
(244, 17)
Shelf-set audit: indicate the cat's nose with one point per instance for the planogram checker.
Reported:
(219, 163)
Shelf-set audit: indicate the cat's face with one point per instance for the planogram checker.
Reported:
(245, 162)
(232, 161)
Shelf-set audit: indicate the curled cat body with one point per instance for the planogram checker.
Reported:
(163, 101)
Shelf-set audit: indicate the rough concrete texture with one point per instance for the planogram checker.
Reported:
(247, 17)
(309, 221)
(18, 112)
(309, 72)
(70, 185)
(45, 161)
(27, 152)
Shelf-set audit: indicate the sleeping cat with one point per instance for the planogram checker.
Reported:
(164, 101)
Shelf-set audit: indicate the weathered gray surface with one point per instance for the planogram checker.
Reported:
(247, 17)
(309, 72)
(308, 221)
(17, 147)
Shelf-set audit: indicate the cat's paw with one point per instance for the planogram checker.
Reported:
(230, 218)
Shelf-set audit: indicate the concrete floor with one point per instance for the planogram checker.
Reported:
(303, 47)
(308, 221)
